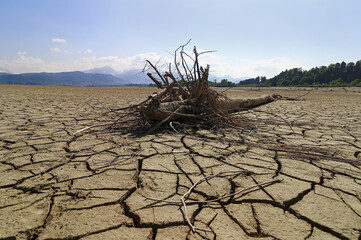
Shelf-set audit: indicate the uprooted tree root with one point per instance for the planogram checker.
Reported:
(184, 100)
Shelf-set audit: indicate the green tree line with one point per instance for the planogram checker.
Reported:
(247, 82)
(334, 75)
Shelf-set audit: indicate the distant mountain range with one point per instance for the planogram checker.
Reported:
(62, 79)
(103, 76)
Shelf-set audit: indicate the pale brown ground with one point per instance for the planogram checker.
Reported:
(54, 185)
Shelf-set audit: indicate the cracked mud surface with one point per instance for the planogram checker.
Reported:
(54, 185)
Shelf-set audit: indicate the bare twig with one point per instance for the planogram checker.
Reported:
(176, 64)
(205, 52)
(171, 125)
(196, 64)
(156, 70)
(186, 195)
(275, 115)
(90, 127)
(159, 85)
(303, 95)
(217, 199)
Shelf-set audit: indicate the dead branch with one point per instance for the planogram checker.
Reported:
(90, 127)
(235, 104)
(183, 201)
(217, 199)
(298, 97)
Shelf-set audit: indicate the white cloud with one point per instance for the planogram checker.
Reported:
(55, 49)
(88, 51)
(58, 40)
(270, 67)
(23, 63)
(219, 67)
(58, 50)
(120, 64)
(263, 67)
(21, 54)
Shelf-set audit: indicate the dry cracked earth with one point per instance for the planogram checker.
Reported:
(54, 185)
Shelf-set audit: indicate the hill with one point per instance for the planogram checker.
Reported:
(76, 78)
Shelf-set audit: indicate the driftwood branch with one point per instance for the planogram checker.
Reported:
(183, 201)
(235, 104)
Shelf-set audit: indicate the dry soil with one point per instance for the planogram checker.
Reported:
(54, 185)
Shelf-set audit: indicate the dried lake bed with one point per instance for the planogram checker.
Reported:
(54, 185)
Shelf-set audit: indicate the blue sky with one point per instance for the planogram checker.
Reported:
(254, 37)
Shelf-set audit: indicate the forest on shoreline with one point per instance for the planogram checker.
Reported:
(334, 75)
